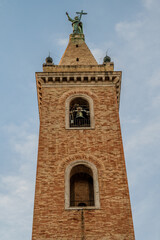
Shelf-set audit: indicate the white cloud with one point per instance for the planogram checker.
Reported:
(151, 4)
(142, 157)
(148, 3)
(17, 188)
(129, 120)
(140, 39)
(143, 165)
(99, 54)
(139, 56)
(62, 42)
(16, 204)
(149, 134)
(26, 146)
(156, 102)
(146, 211)
(154, 80)
(21, 140)
(129, 30)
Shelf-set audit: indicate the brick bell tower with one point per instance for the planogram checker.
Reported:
(81, 183)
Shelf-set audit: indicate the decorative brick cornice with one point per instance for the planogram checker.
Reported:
(78, 78)
(50, 67)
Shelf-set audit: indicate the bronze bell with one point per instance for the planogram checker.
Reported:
(79, 113)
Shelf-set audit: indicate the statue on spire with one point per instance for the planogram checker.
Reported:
(76, 22)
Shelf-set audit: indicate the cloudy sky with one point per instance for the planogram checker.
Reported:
(130, 32)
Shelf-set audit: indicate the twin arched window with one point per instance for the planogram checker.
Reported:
(79, 112)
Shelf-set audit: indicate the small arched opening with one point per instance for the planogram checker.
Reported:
(79, 113)
(81, 186)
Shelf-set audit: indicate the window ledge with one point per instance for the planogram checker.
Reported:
(83, 208)
(79, 128)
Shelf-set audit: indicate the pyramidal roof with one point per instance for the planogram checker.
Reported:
(77, 52)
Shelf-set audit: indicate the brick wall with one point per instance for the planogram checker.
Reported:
(77, 52)
(103, 147)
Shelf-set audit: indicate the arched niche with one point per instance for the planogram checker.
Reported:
(79, 112)
(81, 186)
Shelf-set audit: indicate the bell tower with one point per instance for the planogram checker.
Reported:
(81, 183)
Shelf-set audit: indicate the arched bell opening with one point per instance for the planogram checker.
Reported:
(81, 186)
(79, 113)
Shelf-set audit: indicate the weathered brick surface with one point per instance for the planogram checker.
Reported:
(77, 53)
(103, 147)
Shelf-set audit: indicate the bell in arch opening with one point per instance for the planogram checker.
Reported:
(79, 113)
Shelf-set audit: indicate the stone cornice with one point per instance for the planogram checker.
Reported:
(77, 78)
(78, 68)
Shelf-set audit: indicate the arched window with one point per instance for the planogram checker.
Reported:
(81, 186)
(79, 112)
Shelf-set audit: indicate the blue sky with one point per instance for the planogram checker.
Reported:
(130, 31)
